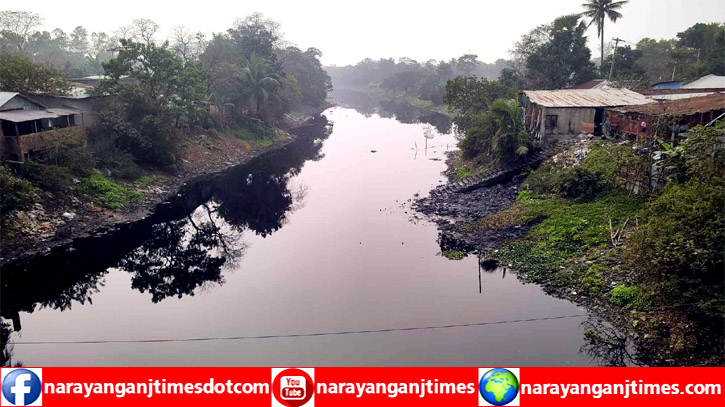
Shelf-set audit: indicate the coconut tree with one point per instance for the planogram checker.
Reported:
(598, 11)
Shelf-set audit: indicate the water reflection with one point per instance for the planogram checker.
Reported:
(183, 246)
(180, 256)
(610, 347)
(401, 110)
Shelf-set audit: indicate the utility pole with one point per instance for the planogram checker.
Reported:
(614, 57)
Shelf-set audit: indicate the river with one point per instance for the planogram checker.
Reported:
(318, 237)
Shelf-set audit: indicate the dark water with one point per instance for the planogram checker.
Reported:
(317, 237)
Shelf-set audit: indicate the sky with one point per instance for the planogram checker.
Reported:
(348, 31)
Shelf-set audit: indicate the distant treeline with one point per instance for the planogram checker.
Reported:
(425, 80)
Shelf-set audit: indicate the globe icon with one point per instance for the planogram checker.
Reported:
(498, 387)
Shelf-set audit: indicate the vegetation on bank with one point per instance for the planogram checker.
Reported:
(661, 254)
(162, 107)
(454, 254)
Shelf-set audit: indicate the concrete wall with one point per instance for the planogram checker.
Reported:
(569, 119)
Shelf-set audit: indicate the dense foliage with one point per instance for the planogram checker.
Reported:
(554, 56)
(20, 74)
(681, 247)
(17, 193)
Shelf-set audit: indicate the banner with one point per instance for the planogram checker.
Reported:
(331, 386)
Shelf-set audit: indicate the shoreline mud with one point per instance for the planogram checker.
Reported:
(88, 221)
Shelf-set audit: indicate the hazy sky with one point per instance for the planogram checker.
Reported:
(348, 31)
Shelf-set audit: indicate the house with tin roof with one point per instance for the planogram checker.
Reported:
(28, 126)
(565, 112)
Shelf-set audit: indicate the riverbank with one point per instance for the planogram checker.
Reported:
(576, 244)
(61, 218)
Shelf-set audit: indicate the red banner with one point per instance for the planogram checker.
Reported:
(362, 386)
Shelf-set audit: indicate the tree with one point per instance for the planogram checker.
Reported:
(511, 78)
(16, 27)
(140, 30)
(655, 60)
(100, 50)
(471, 96)
(626, 65)
(256, 35)
(499, 131)
(166, 95)
(707, 41)
(314, 83)
(19, 74)
(262, 83)
(186, 44)
(560, 57)
(598, 11)
(79, 40)
(468, 63)
(511, 139)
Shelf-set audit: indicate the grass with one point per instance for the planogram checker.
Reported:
(110, 194)
(259, 138)
(146, 181)
(465, 168)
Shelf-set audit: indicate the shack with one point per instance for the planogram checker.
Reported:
(665, 119)
(27, 126)
(571, 111)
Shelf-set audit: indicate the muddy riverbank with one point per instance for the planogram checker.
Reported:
(59, 222)
(489, 223)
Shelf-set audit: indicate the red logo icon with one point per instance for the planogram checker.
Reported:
(293, 387)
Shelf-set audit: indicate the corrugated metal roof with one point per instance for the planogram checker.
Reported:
(64, 111)
(605, 97)
(17, 116)
(709, 81)
(6, 96)
(677, 96)
(689, 106)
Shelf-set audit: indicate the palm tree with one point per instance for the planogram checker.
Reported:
(510, 139)
(261, 82)
(598, 11)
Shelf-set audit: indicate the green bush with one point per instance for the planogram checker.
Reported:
(682, 242)
(454, 254)
(570, 182)
(110, 194)
(604, 162)
(579, 183)
(256, 132)
(120, 163)
(15, 193)
(629, 297)
(78, 159)
(51, 178)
